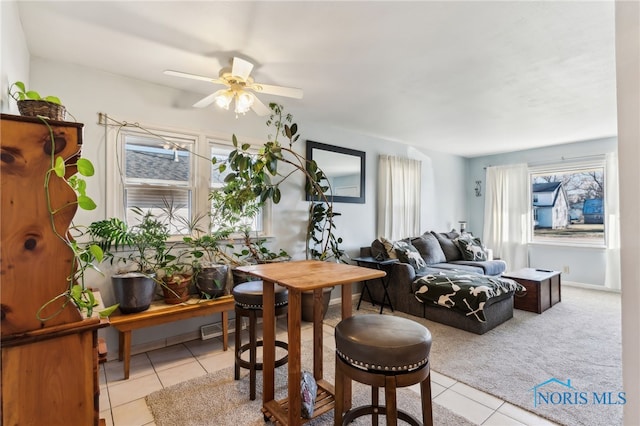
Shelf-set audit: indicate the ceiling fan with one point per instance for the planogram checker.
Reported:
(239, 87)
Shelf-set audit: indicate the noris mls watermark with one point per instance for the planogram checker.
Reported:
(557, 392)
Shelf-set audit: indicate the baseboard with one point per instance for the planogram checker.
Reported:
(589, 286)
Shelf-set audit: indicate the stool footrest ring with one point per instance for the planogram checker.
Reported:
(365, 410)
(246, 364)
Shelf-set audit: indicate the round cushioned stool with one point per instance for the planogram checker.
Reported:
(248, 298)
(382, 351)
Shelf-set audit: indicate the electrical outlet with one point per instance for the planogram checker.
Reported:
(565, 269)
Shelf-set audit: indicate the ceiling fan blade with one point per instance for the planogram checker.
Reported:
(207, 100)
(241, 68)
(289, 92)
(259, 107)
(191, 76)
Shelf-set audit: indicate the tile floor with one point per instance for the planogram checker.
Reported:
(123, 401)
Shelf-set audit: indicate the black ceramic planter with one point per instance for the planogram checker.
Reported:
(133, 291)
(212, 280)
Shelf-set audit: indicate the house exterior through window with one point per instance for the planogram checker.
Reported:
(568, 203)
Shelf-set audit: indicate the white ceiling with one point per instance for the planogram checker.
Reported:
(469, 78)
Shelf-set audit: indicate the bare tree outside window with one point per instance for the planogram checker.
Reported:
(569, 205)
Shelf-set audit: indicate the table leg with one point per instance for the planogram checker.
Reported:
(269, 338)
(124, 351)
(347, 311)
(225, 330)
(295, 364)
(318, 304)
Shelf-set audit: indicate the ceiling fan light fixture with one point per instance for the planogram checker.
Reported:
(224, 98)
(244, 101)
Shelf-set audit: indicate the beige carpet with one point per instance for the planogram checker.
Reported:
(217, 399)
(578, 339)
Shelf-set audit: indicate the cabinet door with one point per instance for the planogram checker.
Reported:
(50, 382)
(35, 261)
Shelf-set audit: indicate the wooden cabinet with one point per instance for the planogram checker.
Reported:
(543, 289)
(49, 369)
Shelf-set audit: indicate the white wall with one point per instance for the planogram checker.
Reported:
(628, 92)
(14, 56)
(85, 92)
(585, 265)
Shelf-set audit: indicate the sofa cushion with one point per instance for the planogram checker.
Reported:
(450, 249)
(429, 248)
(407, 253)
(487, 267)
(457, 265)
(471, 248)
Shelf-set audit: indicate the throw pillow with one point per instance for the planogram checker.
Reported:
(407, 253)
(471, 248)
(450, 249)
(378, 251)
(388, 246)
(429, 248)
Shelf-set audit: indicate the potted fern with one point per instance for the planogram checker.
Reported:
(142, 249)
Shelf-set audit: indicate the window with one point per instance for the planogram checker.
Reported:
(568, 203)
(162, 171)
(158, 175)
(221, 152)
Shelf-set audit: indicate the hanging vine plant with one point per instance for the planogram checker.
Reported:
(85, 256)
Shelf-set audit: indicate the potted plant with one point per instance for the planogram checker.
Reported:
(31, 104)
(254, 178)
(134, 286)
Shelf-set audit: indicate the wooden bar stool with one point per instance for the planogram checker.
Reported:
(248, 298)
(382, 351)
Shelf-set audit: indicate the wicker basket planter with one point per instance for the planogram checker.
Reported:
(34, 108)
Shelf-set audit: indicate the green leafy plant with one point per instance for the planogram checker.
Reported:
(19, 92)
(255, 178)
(147, 241)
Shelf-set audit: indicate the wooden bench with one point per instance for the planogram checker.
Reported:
(161, 313)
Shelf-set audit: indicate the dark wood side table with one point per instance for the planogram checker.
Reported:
(543, 289)
(382, 265)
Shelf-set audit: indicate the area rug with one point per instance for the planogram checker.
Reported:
(571, 354)
(217, 399)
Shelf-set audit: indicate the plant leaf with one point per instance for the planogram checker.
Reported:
(108, 311)
(32, 94)
(97, 252)
(53, 100)
(59, 167)
(85, 167)
(86, 203)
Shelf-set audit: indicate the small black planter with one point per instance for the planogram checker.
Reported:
(211, 280)
(134, 291)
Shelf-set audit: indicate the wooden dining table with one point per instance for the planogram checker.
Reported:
(299, 276)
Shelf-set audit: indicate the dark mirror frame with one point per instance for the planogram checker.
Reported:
(311, 146)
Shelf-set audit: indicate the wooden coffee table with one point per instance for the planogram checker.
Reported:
(543, 289)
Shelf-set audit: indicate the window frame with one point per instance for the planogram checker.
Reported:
(200, 180)
(567, 166)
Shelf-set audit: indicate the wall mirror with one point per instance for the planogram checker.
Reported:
(344, 168)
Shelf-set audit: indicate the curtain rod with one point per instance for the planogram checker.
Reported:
(562, 158)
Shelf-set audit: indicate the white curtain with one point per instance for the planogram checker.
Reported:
(398, 197)
(507, 207)
(612, 224)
